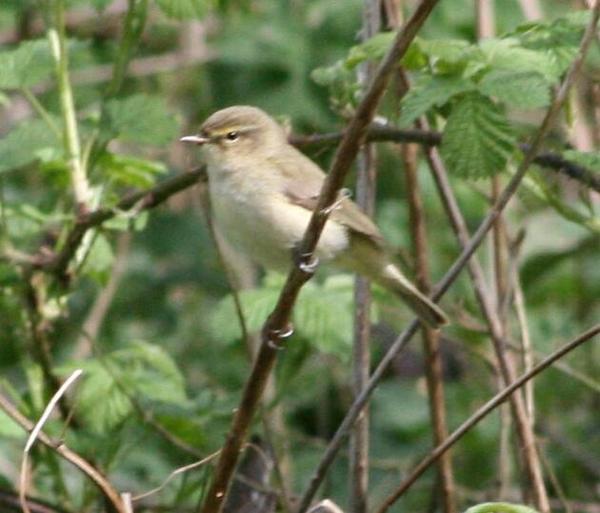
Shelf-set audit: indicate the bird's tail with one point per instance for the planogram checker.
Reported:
(428, 312)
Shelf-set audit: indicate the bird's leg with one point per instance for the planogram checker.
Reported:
(344, 193)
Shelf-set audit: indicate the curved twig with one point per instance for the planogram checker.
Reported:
(111, 495)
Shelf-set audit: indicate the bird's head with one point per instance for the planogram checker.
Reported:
(231, 136)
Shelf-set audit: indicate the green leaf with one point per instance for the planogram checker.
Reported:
(26, 65)
(522, 89)
(508, 54)
(140, 118)
(131, 171)
(141, 371)
(372, 49)
(30, 141)
(9, 428)
(184, 9)
(98, 263)
(589, 159)
(450, 51)
(148, 370)
(323, 313)
(428, 92)
(500, 507)
(477, 140)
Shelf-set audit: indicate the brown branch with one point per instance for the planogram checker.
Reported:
(277, 325)
(57, 264)
(366, 180)
(431, 338)
(524, 427)
(448, 279)
(481, 413)
(378, 133)
(111, 495)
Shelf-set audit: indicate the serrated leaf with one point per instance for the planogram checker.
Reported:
(183, 9)
(508, 54)
(26, 65)
(477, 140)
(428, 92)
(149, 371)
(322, 315)
(27, 143)
(521, 89)
(141, 371)
(448, 50)
(140, 118)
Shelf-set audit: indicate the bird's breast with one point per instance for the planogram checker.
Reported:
(259, 221)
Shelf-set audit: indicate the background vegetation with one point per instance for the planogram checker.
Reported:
(94, 95)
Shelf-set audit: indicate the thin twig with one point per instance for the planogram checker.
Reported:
(33, 435)
(366, 179)
(379, 133)
(277, 326)
(42, 112)
(431, 338)
(111, 495)
(444, 284)
(481, 413)
(136, 202)
(486, 28)
(175, 473)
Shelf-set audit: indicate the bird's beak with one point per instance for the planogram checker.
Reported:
(197, 139)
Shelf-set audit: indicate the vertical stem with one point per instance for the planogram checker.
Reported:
(57, 39)
(523, 426)
(365, 197)
(431, 338)
(486, 29)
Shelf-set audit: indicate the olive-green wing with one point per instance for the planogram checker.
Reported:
(302, 182)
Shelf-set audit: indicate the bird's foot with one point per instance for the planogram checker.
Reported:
(307, 262)
(274, 336)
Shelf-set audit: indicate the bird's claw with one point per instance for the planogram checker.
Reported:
(308, 263)
(280, 334)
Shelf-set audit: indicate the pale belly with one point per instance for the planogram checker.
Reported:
(265, 234)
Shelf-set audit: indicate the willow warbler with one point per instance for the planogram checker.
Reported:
(263, 191)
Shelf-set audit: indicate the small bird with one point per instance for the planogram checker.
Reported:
(263, 191)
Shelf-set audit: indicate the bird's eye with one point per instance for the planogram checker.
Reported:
(232, 136)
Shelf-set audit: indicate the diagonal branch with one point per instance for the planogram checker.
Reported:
(111, 495)
(277, 324)
(57, 264)
(482, 412)
(450, 276)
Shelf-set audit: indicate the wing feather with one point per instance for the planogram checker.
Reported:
(303, 188)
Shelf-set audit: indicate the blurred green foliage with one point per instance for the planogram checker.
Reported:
(168, 355)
